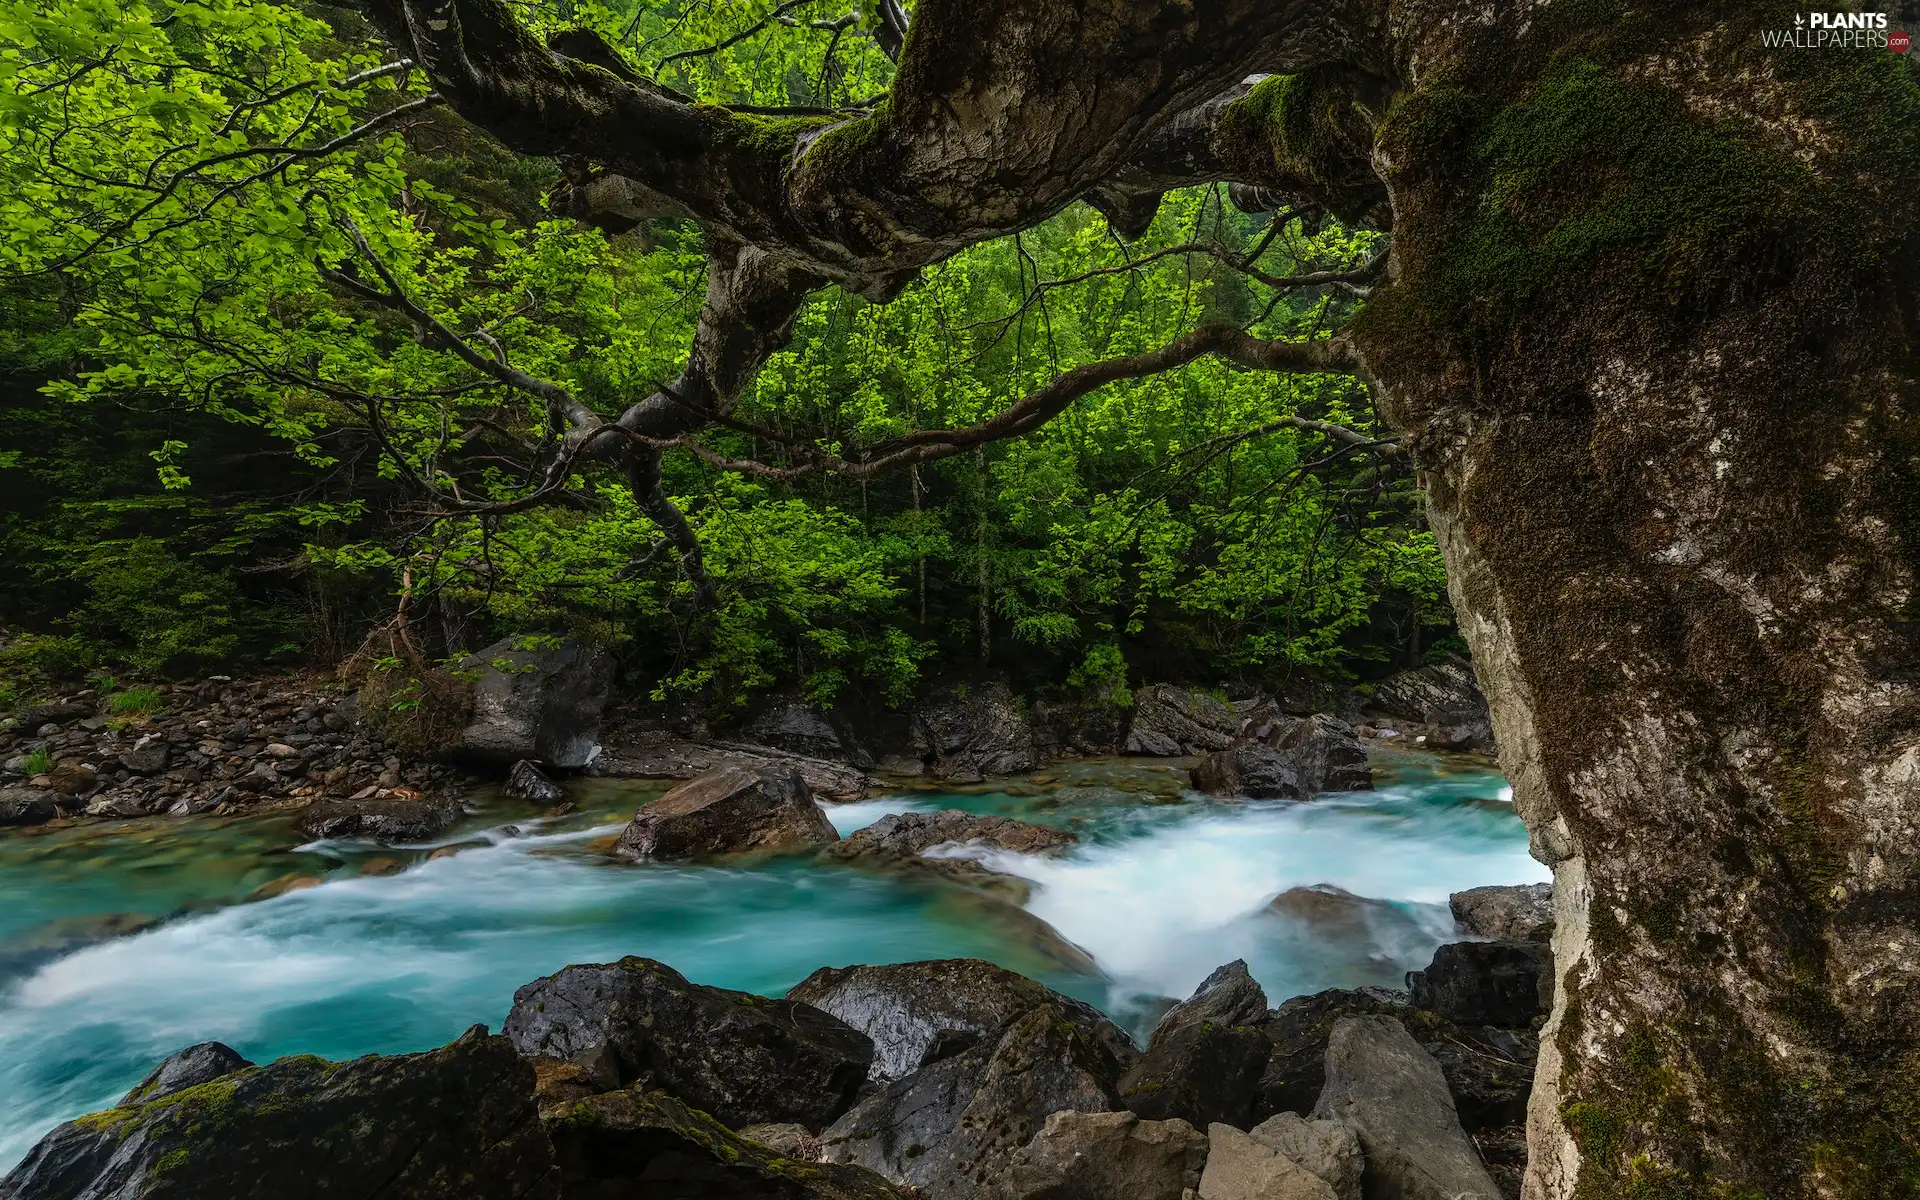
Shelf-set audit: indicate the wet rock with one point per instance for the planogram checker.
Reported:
(1252, 771)
(953, 1128)
(647, 1144)
(1326, 1149)
(1489, 1071)
(909, 835)
(1521, 912)
(187, 1068)
(974, 733)
(1445, 698)
(1338, 914)
(1298, 1032)
(1390, 1092)
(1241, 1168)
(26, 806)
(389, 820)
(1230, 996)
(543, 702)
(528, 782)
(559, 1082)
(456, 1123)
(1484, 983)
(725, 811)
(920, 1012)
(1107, 1156)
(1090, 724)
(745, 1059)
(1169, 721)
(1326, 751)
(1200, 1074)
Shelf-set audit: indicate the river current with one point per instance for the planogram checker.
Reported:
(122, 943)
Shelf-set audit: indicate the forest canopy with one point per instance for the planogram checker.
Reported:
(278, 324)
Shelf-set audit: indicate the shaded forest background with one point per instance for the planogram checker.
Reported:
(173, 506)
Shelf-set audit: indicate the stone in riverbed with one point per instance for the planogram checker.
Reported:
(1230, 996)
(920, 1012)
(1107, 1156)
(909, 835)
(1206, 1057)
(745, 1059)
(649, 1144)
(1484, 983)
(1326, 750)
(26, 806)
(528, 782)
(1521, 912)
(727, 810)
(975, 733)
(1252, 771)
(187, 1068)
(150, 759)
(391, 820)
(456, 1123)
(1391, 1093)
(542, 702)
(1169, 721)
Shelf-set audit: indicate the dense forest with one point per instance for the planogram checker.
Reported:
(216, 456)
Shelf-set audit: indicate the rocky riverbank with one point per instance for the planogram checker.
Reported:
(946, 1079)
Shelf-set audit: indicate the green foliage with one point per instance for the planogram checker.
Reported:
(39, 762)
(136, 701)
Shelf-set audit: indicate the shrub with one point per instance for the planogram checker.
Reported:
(39, 762)
(136, 701)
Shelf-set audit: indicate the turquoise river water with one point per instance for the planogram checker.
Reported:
(121, 943)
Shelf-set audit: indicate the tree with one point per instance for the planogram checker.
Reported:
(1649, 330)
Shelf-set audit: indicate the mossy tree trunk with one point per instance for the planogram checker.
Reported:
(1655, 333)
(1651, 328)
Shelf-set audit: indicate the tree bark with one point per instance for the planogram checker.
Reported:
(1652, 334)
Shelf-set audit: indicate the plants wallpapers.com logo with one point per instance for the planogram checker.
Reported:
(1839, 31)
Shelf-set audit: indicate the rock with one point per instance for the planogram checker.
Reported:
(1484, 983)
(72, 778)
(1325, 750)
(528, 782)
(541, 703)
(1338, 914)
(955, 1126)
(56, 713)
(649, 1144)
(796, 726)
(909, 835)
(390, 820)
(656, 754)
(1520, 912)
(1298, 1032)
(1170, 721)
(456, 1123)
(921, 1012)
(26, 806)
(1200, 1073)
(1390, 1092)
(187, 1068)
(975, 732)
(1090, 724)
(1107, 1156)
(744, 1059)
(725, 811)
(785, 1139)
(150, 759)
(1445, 697)
(1326, 1149)
(1230, 996)
(1252, 771)
(1241, 1168)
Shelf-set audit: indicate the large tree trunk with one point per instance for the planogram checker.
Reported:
(1655, 335)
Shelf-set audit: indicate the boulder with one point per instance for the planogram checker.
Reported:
(528, 782)
(1170, 721)
(1325, 750)
(744, 1059)
(1230, 996)
(183, 1069)
(1444, 697)
(394, 819)
(953, 1127)
(910, 835)
(1326, 1149)
(659, 754)
(70, 777)
(26, 806)
(799, 727)
(1298, 1032)
(1107, 1156)
(727, 810)
(649, 1144)
(150, 759)
(1484, 983)
(1252, 772)
(456, 1123)
(536, 698)
(1390, 1092)
(1241, 1168)
(920, 1012)
(975, 732)
(57, 712)
(1339, 915)
(1202, 1074)
(1520, 912)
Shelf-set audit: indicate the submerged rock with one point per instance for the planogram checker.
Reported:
(542, 702)
(728, 810)
(183, 1069)
(921, 1012)
(390, 820)
(1093, 1156)
(528, 782)
(649, 1144)
(1170, 721)
(1390, 1092)
(1521, 912)
(745, 1059)
(456, 1123)
(1484, 983)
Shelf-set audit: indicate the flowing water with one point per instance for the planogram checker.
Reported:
(121, 943)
